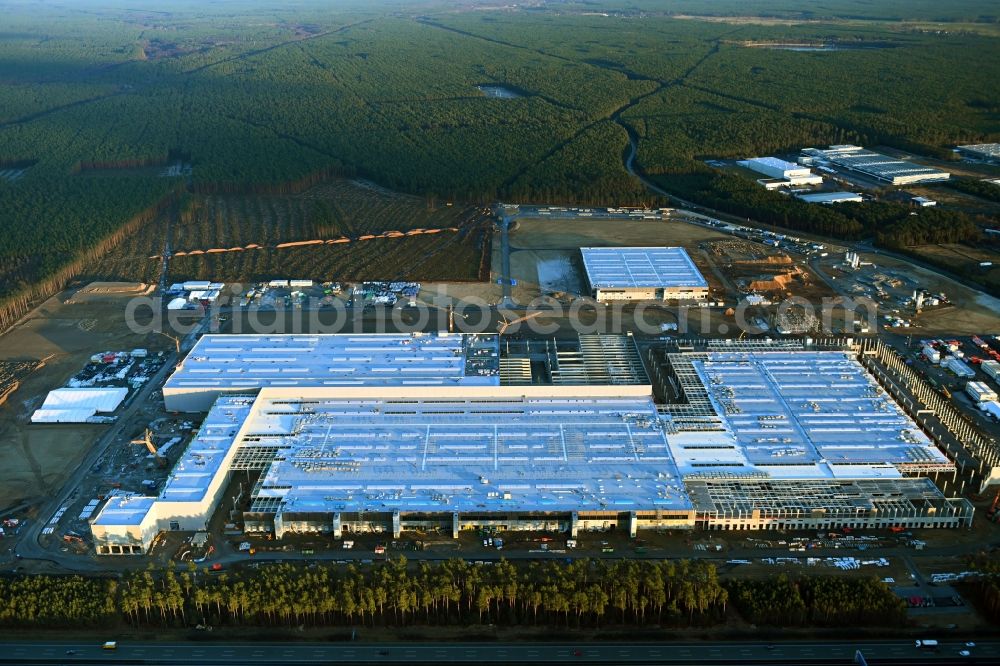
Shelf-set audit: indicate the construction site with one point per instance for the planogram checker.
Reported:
(755, 268)
(722, 435)
(295, 439)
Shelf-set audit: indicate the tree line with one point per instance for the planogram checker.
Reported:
(574, 594)
(825, 601)
(979, 188)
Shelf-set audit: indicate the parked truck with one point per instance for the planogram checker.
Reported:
(959, 367)
(980, 392)
(991, 368)
(932, 355)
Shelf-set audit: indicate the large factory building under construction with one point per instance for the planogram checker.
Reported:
(750, 437)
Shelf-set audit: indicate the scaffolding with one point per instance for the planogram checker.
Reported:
(599, 359)
(733, 503)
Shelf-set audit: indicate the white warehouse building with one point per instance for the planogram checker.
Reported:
(781, 173)
(775, 168)
(642, 273)
(244, 364)
(755, 438)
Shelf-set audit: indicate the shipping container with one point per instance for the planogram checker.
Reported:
(980, 392)
(933, 355)
(959, 367)
(992, 369)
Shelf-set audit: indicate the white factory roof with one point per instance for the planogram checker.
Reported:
(98, 399)
(831, 197)
(876, 164)
(76, 405)
(206, 455)
(753, 414)
(775, 163)
(124, 509)
(465, 453)
(800, 414)
(252, 362)
(640, 267)
(986, 149)
(61, 415)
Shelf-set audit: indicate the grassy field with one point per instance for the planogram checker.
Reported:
(340, 210)
(963, 260)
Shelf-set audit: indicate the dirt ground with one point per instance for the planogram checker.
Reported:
(545, 252)
(559, 234)
(973, 313)
(442, 293)
(36, 459)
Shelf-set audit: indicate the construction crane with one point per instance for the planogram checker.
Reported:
(504, 325)
(991, 513)
(177, 341)
(147, 440)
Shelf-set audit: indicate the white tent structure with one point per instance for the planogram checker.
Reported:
(77, 405)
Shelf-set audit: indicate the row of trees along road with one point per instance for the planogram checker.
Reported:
(575, 594)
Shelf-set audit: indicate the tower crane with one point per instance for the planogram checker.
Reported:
(147, 440)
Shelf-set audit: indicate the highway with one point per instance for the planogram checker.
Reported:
(709, 652)
(505, 279)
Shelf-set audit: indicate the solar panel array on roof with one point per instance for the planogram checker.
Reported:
(247, 363)
(464, 454)
(805, 414)
(640, 267)
(881, 167)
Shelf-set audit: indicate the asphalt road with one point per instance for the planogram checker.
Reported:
(28, 546)
(859, 246)
(714, 652)
(506, 301)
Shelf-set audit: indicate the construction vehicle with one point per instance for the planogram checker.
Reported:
(177, 341)
(147, 439)
(991, 513)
